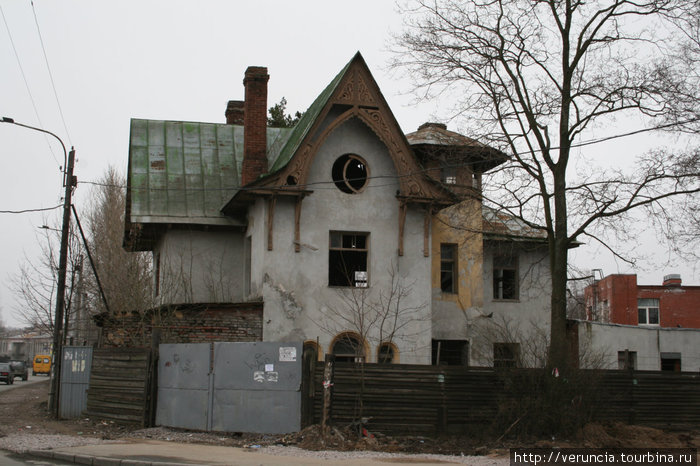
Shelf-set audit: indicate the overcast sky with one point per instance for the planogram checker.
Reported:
(177, 60)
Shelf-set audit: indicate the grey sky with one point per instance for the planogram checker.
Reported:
(173, 60)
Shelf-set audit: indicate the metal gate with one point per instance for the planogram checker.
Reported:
(230, 387)
(75, 380)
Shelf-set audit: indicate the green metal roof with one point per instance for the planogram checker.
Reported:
(302, 128)
(183, 172)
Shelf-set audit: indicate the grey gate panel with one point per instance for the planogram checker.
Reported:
(257, 387)
(184, 385)
(75, 381)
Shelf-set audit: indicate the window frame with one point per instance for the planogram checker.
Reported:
(453, 352)
(497, 290)
(393, 351)
(453, 262)
(502, 362)
(352, 283)
(646, 305)
(627, 360)
(360, 354)
(448, 175)
(339, 173)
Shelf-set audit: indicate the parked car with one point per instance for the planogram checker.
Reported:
(19, 368)
(6, 373)
(42, 364)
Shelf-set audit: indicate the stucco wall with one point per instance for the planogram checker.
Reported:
(603, 341)
(200, 266)
(299, 304)
(460, 225)
(524, 320)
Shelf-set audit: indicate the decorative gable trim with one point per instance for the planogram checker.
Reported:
(357, 90)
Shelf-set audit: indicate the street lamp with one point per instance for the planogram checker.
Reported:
(68, 183)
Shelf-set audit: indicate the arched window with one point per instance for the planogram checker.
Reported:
(311, 351)
(348, 347)
(387, 353)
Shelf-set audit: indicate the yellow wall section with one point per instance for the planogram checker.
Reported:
(460, 224)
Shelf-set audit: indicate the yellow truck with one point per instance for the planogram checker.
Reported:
(42, 364)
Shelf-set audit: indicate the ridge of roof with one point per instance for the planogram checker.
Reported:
(308, 119)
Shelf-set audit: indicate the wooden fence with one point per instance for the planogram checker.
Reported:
(120, 385)
(434, 399)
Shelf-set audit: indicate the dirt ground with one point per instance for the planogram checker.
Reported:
(24, 410)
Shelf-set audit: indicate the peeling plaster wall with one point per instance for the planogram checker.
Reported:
(200, 266)
(527, 318)
(295, 285)
(461, 225)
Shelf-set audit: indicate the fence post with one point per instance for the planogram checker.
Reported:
(152, 377)
(327, 387)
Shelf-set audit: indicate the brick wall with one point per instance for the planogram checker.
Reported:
(198, 323)
(615, 298)
(255, 131)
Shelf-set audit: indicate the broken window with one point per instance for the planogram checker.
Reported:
(671, 362)
(506, 354)
(350, 173)
(450, 352)
(505, 277)
(448, 268)
(648, 311)
(627, 360)
(386, 353)
(348, 348)
(347, 259)
(448, 175)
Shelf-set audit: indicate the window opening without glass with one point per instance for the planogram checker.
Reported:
(505, 354)
(385, 353)
(347, 259)
(350, 173)
(450, 352)
(448, 268)
(348, 348)
(505, 277)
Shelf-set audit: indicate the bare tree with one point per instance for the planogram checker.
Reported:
(35, 282)
(126, 277)
(363, 318)
(535, 76)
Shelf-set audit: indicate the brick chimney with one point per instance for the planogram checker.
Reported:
(234, 112)
(255, 121)
(673, 279)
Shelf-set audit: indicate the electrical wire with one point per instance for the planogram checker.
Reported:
(53, 85)
(320, 184)
(29, 210)
(26, 84)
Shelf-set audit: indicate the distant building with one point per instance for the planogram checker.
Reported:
(647, 348)
(618, 299)
(24, 345)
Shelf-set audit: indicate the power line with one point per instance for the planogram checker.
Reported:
(319, 184)
(26, 83)
(53, 85)
(29, 210)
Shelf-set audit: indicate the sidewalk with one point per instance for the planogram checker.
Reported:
(159, 453)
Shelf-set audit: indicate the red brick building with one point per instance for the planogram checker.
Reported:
(618, 299)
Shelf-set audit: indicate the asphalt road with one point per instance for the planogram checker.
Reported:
(19, 382)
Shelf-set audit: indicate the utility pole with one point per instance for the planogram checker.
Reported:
(61, 288)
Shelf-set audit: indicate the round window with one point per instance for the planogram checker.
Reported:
(350, 173)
